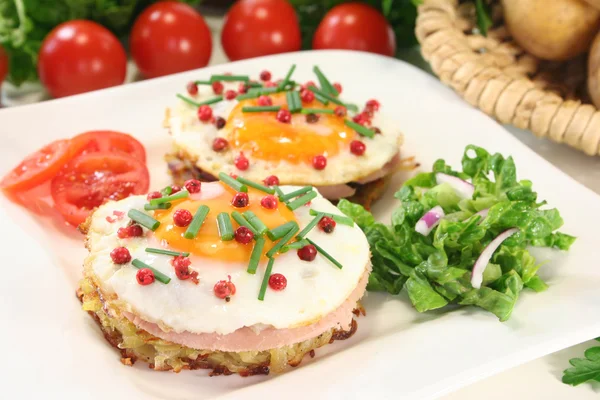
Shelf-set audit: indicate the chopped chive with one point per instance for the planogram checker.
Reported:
(265, 281)
(247, 96)
(167, 252)
(242, 221)
(232, 183)
(167, 191)
(229, 78)
(163, 206)
(284, 240)
(203, 82)
(293, 101)
(256, 223)
(299, 202)
(310, 225)
(157, 274)
(294, 245)
(255, 256)
(316, 111)
(361, 130)
(200, 103)
(333, 99)
(280, 231)
(254, 84)
(143, 219)
(182, 194)
(324, 82)
(341, 219)
(325, 254)
(225, 227)
(263, 90)
(261, 108)
(199, 217)
(255, 185)
(280, 194)
(296, 193)
(286, 80)
(321, 99)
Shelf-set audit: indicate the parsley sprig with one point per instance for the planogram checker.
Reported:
(584, 369)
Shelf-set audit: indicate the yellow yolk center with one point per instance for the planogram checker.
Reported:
(208, 242)
(261, 135)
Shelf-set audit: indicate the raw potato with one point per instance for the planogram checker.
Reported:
(552, 29)
(594, 72)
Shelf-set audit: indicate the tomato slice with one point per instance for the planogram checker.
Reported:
(109, 141)
(91, 179)
(38, 167)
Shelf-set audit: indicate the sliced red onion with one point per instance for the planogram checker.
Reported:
(486, 255)
(462, 187)
(429, 221)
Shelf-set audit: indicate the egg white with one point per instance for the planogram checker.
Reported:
(193, 139)
(314, 289)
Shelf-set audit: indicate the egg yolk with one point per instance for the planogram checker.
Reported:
(262, 136)
(208, 242)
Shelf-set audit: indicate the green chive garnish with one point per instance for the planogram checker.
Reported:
(280, 231)
(192, 230)
(333, 99)
(310, 225)
(321, 99)
(361, 130)
(163, 206)
(294, 246)
(254, 84)
(255, 185)
(294, 102)
(263, 90)
(284, 240)
(225, 227)
(242, 221)
(324, 82)
(232, 183)
(166, 191)
(143, 219)
(296, 193)
(256, 223)
(325, 254)
(261, 108)
(203, 82)
(167, 252)
(285, 81)
(280, 194)
(159, 276)
(340, 219)
(247, 96)
(182, 194)
(316, 111)
(229, 78)
(265, 281)
(200, 103)
(299, 202)
(255, 256)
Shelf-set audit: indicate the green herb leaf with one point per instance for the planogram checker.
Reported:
(584, 369)
(484, 17)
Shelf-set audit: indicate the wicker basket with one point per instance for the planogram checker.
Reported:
(494, 74)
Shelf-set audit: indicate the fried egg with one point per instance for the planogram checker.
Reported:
(314, 289)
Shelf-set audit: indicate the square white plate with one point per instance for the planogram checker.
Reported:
(50, 347)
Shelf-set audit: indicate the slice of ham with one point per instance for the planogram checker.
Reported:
(334, 192)
(247, 339)
(388, 168)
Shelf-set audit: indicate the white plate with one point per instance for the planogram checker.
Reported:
(50, 347)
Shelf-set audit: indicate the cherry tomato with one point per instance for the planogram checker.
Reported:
(79, 56)
(38, 167)
(355, 26)
(3, 64)
(256, 28)
(170, 37)
(108, 141)
(91, 179)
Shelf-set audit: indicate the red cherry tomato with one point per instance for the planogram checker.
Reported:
(3, 64)
(355, 26)
(256, 28)
(91, 179)
(108, 141)
(79, 56)
(170, 37)
(38, 167)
